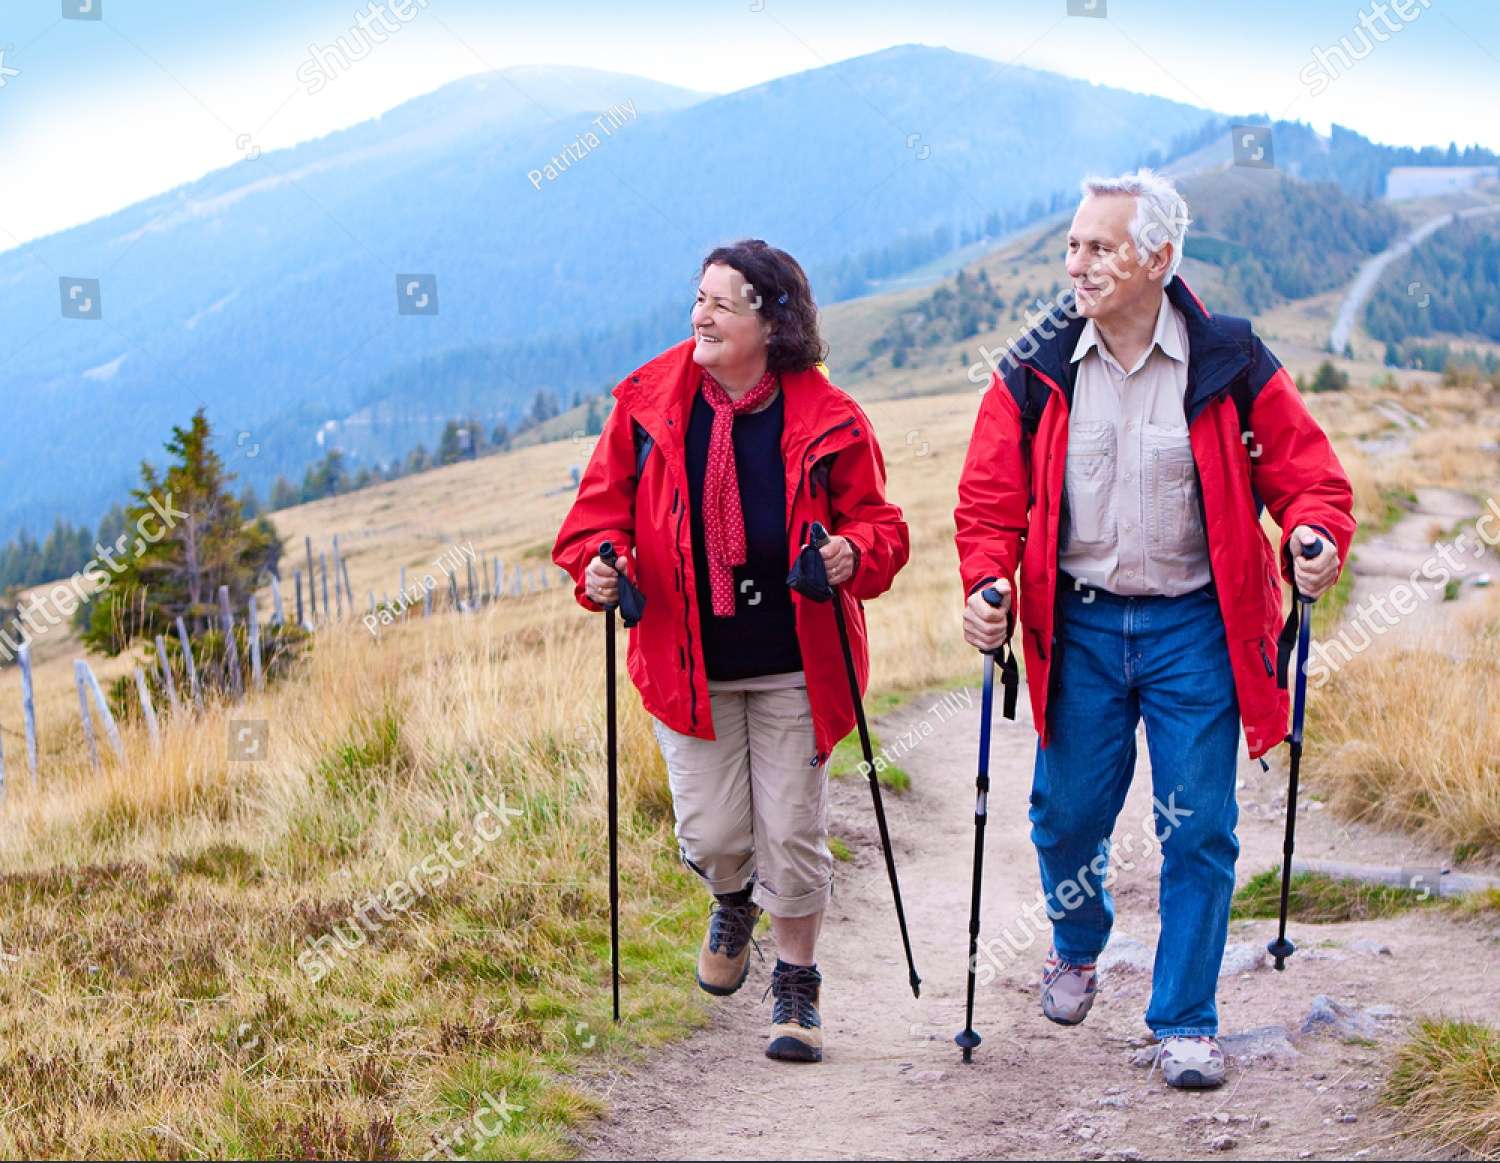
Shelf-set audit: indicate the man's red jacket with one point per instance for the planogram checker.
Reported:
(635, 493)
(1011, 499)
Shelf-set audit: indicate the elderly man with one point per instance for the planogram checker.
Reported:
(1120, 462)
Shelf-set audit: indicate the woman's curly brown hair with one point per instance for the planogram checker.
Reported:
(779, 286)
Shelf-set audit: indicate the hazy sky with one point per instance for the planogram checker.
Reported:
(95, 115)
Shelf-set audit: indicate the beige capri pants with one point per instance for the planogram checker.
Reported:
(752, 804)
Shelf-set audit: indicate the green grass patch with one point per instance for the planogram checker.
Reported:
(1320, 899)
(1398, 502)
(848, 760)
(839, 849)
(1446, 1082)
(1328, 609)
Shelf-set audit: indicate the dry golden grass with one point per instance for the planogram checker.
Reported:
(157, 910)
(156, 1005)
(1410, 739)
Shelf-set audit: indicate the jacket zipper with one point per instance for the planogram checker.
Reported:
(805, 459)
(687, 627)
(1266, 658)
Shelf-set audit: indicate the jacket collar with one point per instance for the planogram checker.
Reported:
(660, 396)
(1214, 357)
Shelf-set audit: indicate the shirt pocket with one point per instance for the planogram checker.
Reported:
(1090, 479)
(1174, 517)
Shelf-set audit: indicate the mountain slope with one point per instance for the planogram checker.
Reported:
(267, 291)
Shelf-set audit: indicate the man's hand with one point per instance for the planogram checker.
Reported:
(984, 624)
(601, 583)
(838, 560)
(1314, 576)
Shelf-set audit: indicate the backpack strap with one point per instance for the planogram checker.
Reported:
(1241, 332)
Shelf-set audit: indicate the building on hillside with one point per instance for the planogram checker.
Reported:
(1431, 181)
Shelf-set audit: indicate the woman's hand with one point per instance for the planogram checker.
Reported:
(838, 560)
(602, 583)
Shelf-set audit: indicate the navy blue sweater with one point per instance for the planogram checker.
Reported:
(761, 637)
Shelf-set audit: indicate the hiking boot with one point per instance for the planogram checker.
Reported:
(1193, 1063)
(796, 1029)
(1068, 989)
(724, 959)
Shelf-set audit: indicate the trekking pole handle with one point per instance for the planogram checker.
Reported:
(610, 557)
(817, 536)
(996, 600)
(1309, 552)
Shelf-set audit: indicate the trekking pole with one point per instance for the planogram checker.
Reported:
(1281, 948)
(607, 554)
(817, 538)
(968, 1037)
(633, 604)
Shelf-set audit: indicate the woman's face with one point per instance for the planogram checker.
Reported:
(728, 327)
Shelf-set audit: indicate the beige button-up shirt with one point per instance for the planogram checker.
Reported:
(1132, 488)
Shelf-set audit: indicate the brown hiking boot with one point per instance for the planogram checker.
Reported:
(796, 1029)
(724, 959)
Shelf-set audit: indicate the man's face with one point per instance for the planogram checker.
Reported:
(1108, 275)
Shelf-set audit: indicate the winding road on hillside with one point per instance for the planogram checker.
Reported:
(1373, 269)
(892, 1085)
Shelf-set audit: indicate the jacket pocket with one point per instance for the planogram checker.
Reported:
(1174, 522)
(1089, 480)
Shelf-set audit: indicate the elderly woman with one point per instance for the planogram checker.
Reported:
(716, 460)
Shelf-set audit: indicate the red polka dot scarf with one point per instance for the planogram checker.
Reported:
(723, 520)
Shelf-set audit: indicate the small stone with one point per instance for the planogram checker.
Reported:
(1127, 1153)
(1329, 1016)
(1349, 1118)
(1127, 954)
(1085, 1133)
(928, 1076)
(1318, 1076)
(1263, 1042)
(1382, 1013)
(1223, 1143)
(1114, 1100)
(1366, 945)
(1145, 1056)
(1242, 957)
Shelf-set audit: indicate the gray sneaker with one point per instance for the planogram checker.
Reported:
(1191, 1063)
(1068, 989)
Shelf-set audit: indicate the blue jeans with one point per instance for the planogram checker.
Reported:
(1116, 661)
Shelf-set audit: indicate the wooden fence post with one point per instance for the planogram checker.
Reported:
(338, 588)
(348, 589)
(469, 569)
(312, 580)
(426, 601)
(187, 658)
(111, 732)
(257, 676)
(452, 587)
(147, 709)
(166, 673)
(499, 578)
(79, 667)
(323, 565)
(231, 648)
(278, 614)
(28, 706)
(297, 578)
(403, 581)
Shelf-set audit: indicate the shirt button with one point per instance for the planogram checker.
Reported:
(1127, 476)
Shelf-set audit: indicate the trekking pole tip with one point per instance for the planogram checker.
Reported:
(1280, 949)
(967, 1039)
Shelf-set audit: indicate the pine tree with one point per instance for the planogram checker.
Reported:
(189, 538)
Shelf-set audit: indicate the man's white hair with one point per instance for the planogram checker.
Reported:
(1161, 213)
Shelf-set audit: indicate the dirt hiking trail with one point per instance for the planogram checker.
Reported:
(891, 1085)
